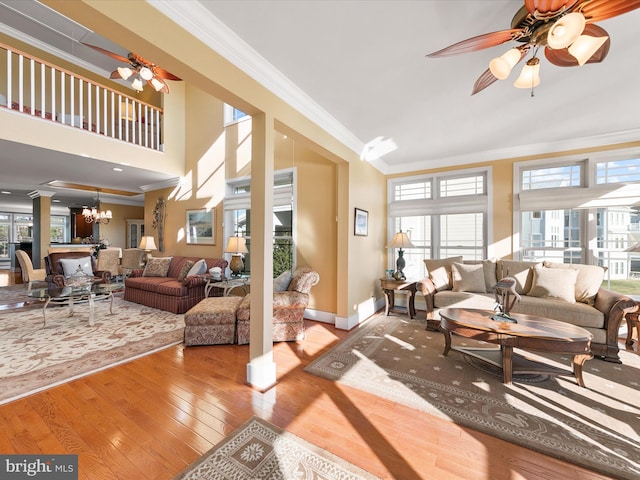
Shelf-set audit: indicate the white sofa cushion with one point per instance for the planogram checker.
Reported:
(589, 279)
(468, 278)
(439, 271)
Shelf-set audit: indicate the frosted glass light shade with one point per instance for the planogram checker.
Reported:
(530, 75)
(137, 84)
(124, 72)
(146, 73)
(156, 84)
(501, 66)
(566, 30)
(585, 46)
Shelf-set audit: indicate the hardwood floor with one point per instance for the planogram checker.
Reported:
(150, 418)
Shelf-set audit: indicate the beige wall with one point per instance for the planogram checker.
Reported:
(116, 230)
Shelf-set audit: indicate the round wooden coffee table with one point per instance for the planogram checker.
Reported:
(529, 333)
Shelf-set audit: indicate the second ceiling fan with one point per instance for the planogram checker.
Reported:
(565, 28)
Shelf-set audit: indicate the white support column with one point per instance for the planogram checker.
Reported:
(261, 369)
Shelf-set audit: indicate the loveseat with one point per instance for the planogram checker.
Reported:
(174, 284)
(567, 292)
(60, 265)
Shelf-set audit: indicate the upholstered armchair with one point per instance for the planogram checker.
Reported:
(29, 274)
(55, 266)
(288, 309)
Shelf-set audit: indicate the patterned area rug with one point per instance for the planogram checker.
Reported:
(260, 450)
(597, 427)
(33, 357)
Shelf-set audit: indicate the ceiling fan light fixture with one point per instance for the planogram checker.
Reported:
(530, 75)
(137, 84)
(566, 31)
(146, 73)
(156, 84)
(125, 72)
(501, 66)
(585, 46)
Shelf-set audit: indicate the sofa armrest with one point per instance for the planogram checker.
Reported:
(104, 275)
(290, 299)
(195, 281)
(614, 306)
(428, 289)
(136, 272)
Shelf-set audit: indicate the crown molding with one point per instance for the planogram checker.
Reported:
(172, 182)
(210, 30)
(532, 150)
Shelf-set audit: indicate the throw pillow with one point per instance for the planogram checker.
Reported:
(589, 280)
(439, 271)
(554, 283)
(70, 265)
(157, 267)
(198, 268)
(521, 271)
(468, 278)
(185, 270)
(282, 281)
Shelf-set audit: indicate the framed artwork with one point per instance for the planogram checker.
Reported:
(201, 227)
(361, 223)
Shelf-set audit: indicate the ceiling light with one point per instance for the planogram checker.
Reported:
(566, 30)
(147, 74)
(501, 66)
(95, 215)
(156, 84)
(530, 75)
(5, 192)
(137, 84)
(117, 169)
(124, 72)
(585, 46)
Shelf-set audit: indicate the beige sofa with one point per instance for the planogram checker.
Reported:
(567, 292)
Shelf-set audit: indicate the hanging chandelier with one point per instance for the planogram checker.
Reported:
(95, 215)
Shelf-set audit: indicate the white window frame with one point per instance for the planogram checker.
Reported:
(587, 198)
(436, 206)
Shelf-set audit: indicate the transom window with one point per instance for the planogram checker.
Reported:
(618, 171)
(552, 177)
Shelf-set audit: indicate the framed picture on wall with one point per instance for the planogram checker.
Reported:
(201, 227)
(361, 223)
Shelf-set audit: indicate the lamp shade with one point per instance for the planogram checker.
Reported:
(124, 72)
(236, 245)
(400, 240)
(566, 31)
(148, 244)
(530, 75)
(585, 46)
(501, 66)
(137, 84)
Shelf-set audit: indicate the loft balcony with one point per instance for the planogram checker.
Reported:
(35, 87)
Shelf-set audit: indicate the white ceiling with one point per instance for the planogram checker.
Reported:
(364, 63)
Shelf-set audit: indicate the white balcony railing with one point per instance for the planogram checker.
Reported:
(38, 88)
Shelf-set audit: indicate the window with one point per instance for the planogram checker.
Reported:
(233, 115)
(237, 207)
(588, 211)
(448, 220)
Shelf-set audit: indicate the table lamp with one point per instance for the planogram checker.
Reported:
(147, 244)
(400, 240)
(237, 246)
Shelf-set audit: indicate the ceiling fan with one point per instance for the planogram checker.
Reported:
(565, 28)
(141, 69)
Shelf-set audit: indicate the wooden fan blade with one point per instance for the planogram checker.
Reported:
(162, 73)
(108, 53)
(478, 43)
(598, 10)
(547, 6)
(562, 57)
(115, 75)
(487, 78)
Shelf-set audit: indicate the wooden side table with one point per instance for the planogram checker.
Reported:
(389, 287)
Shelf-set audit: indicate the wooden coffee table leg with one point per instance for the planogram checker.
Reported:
(447, 342)
(578, 362)
(507, 363)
